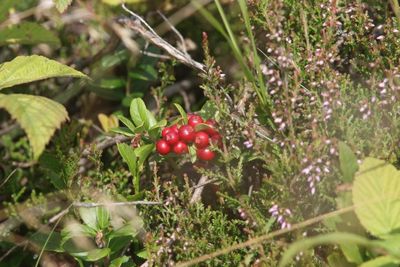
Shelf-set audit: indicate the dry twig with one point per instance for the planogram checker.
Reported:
(138, 24)
(196, 197)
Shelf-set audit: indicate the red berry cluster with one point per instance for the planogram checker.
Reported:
(178, 139)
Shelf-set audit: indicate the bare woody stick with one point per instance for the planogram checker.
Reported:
(140, 26)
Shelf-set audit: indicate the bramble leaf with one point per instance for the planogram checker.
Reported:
(62, 5)
(25, 69)
(376, 195)
(38, 116)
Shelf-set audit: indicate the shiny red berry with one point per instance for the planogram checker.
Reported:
(186, 133)
(171, 137)
(167, 130)
(180, 148)
(193, 120)
(205, 154)
(212, 130)
(174, 128)
(201, 140)
(162, 147)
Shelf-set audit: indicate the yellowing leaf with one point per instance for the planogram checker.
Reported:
(28, 33)
(38, 116)
(376, 197)
(25, 69)
(108, 122)
(62, 5)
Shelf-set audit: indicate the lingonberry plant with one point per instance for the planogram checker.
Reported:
(196, 134)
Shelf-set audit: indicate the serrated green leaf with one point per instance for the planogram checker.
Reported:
(348, 162)
(182, 112)
(62, 5)
(38, 116)
(28, 33)
(4, 8)
(25, 69)
(376, 195)
(129, 156)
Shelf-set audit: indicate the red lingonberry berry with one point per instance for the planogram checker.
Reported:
(180, 148)
(216, 140)
(201, 140)
(166, 130)
(175, 128)
(171, 137)
(193, 120)
(162, 147)
(205, 154)
(186, 133)
(212, 130)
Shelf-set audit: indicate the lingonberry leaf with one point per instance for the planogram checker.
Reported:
(182, 112)
(140, 115)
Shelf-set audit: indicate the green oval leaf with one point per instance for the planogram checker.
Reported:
(28, 33)
(38, 116)
(129, 156)
(25, 69)
(182, 112)
(376, 196)
(97, 254)
(140, 115)
(89, 217)
(103, 217)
